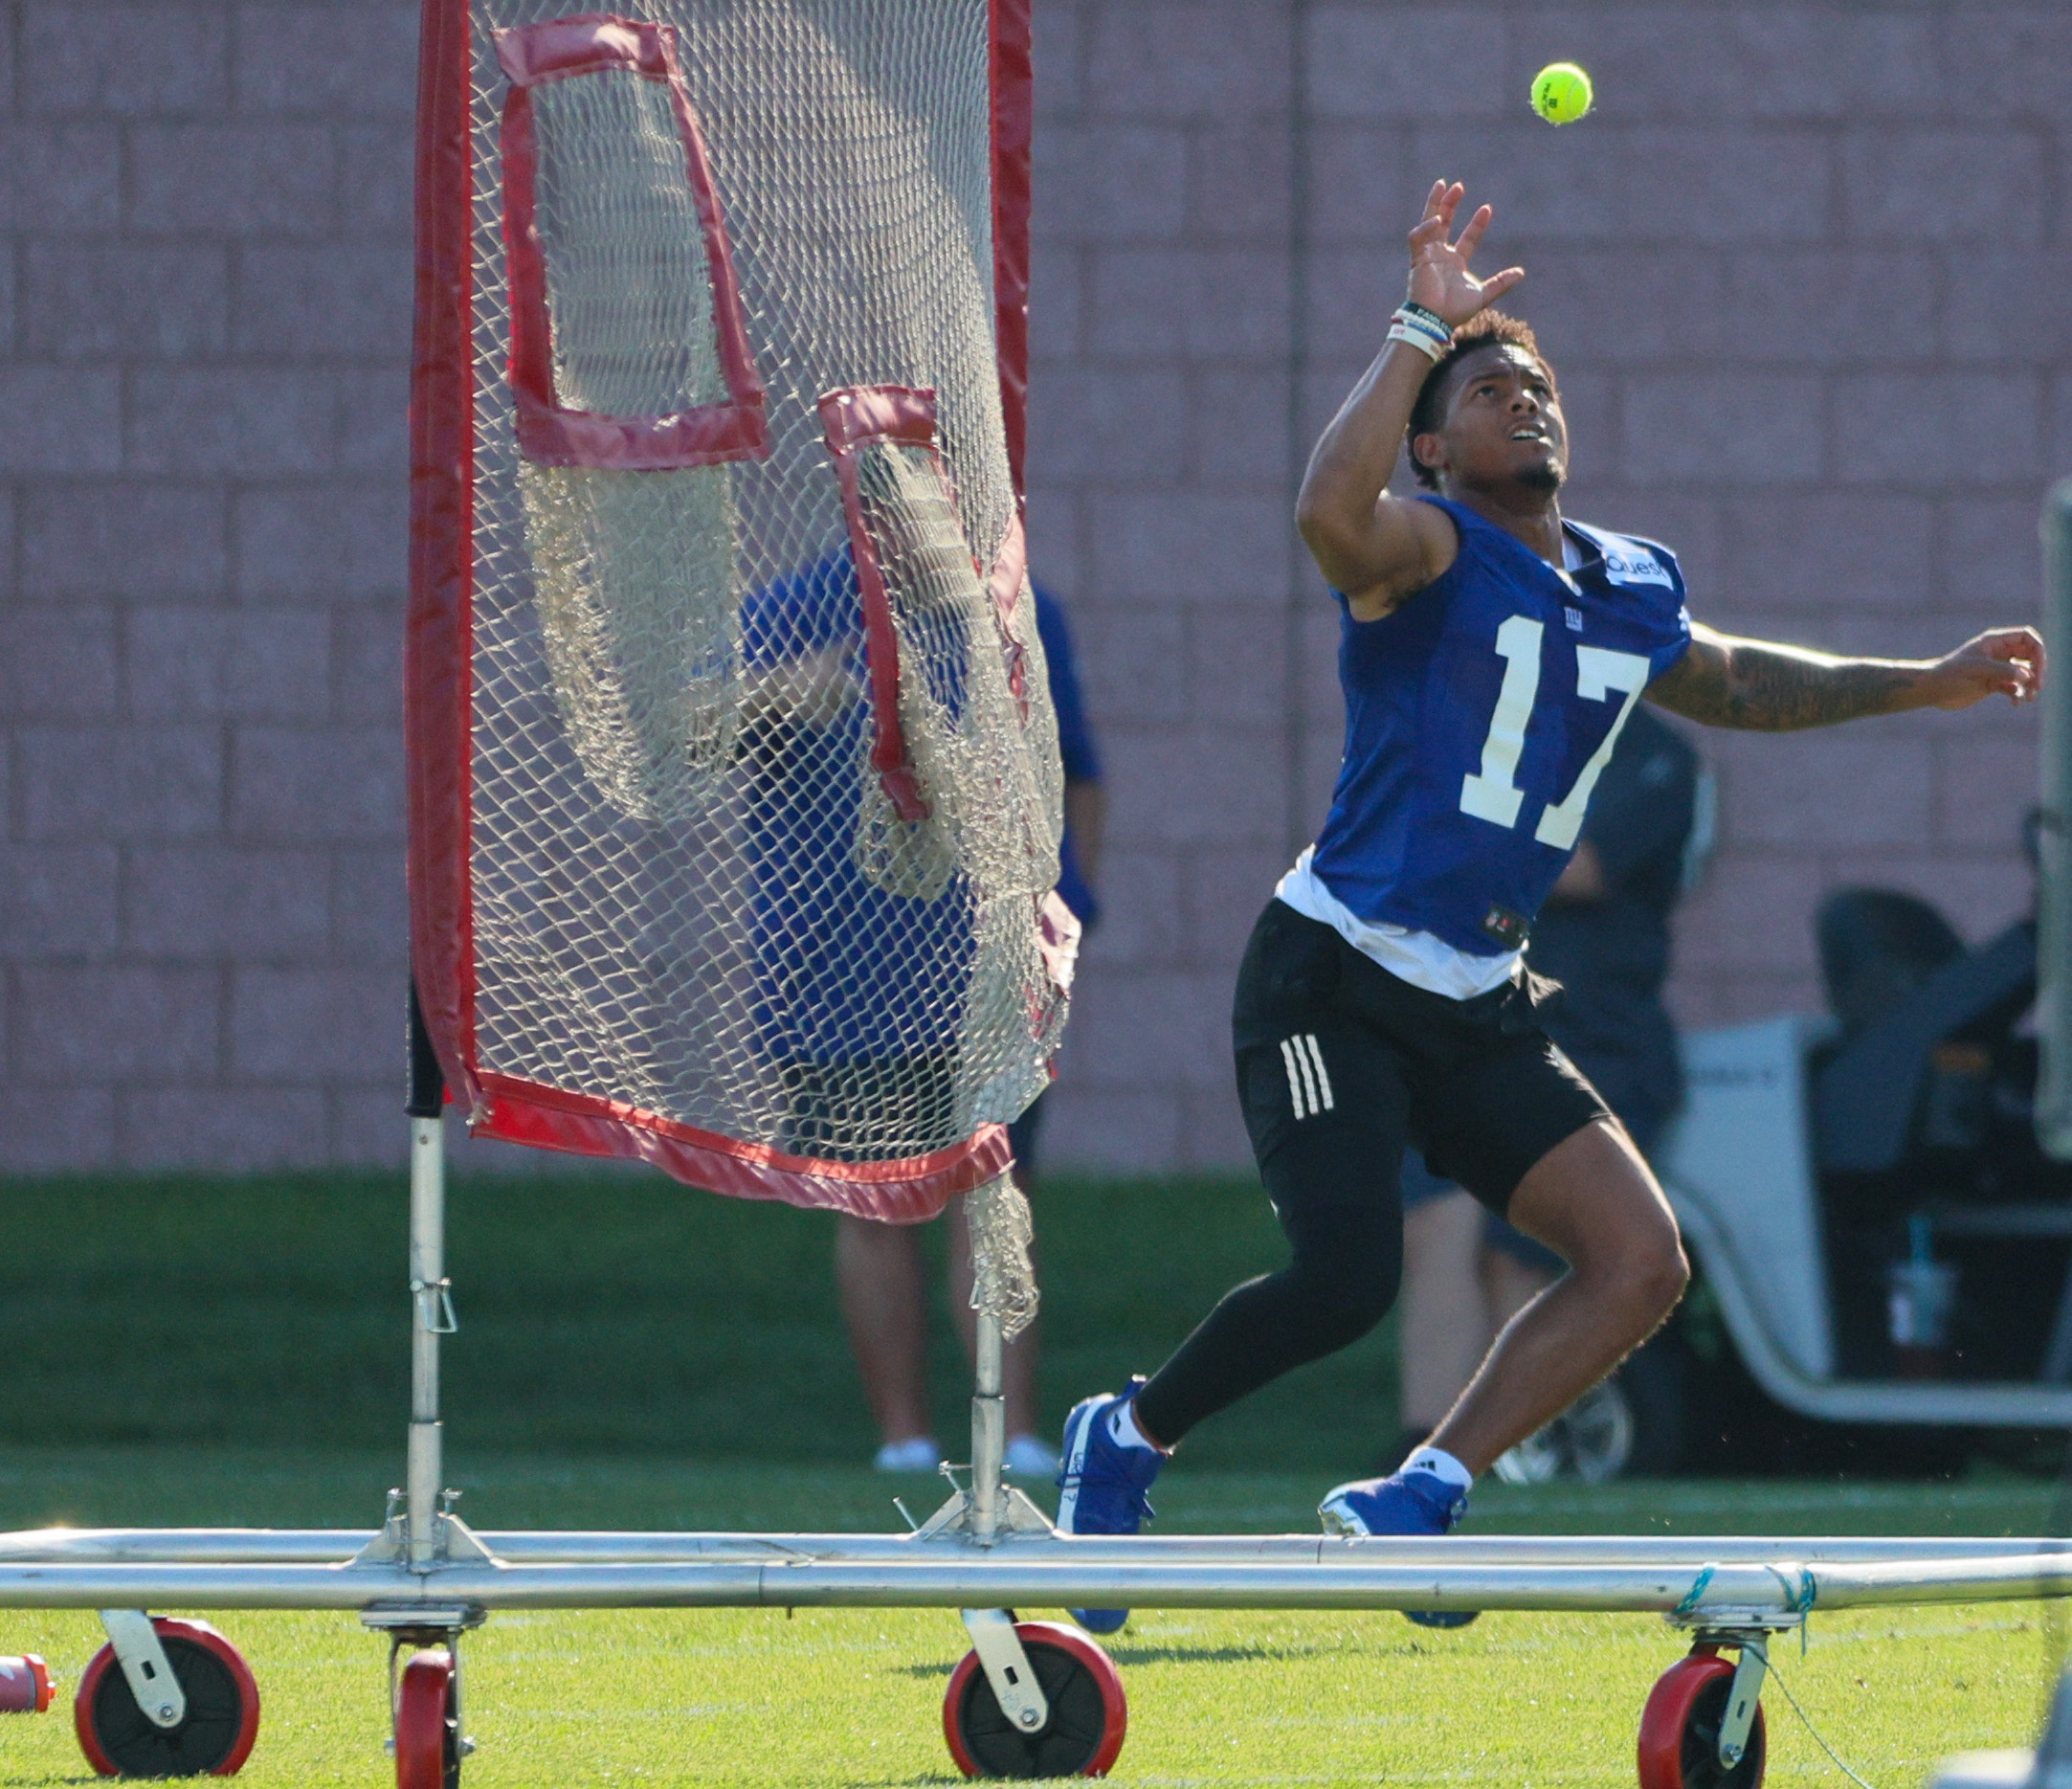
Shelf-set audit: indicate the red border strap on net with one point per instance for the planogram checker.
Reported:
(1013, 113)
(436, 659)
(850, 419)
(906, 1191)
(563, 48)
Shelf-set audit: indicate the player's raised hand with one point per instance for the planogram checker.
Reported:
(2002, 662)
(1438, 267)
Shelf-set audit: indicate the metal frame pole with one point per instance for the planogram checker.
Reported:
(2054, 843)
(1718, 1597)
(431, 1303)
(331, 1547)
(427, 1285)
(989, 1432)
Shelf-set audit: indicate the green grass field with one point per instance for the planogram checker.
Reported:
(631, 1355)
(617, 1313)
(854, 1697)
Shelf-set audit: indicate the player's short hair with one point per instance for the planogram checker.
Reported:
(1487, 328)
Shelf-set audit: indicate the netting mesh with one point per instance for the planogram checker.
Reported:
(634, 574)
(690, 897)
(1003, 1276)
(629, 282)
(985, 754)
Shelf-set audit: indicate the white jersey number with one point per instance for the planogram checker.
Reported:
(1492, 794)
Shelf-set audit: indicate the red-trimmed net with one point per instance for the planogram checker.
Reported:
(734, 777)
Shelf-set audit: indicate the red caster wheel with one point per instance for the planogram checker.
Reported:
(427, 1723)
(222, 1717)
(1089, 1713)
(1679, 1729)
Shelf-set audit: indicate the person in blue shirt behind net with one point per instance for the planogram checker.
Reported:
(1490, 652)
(863, 1049)
(853, 982)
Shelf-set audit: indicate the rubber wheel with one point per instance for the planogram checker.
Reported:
(1631, 1425)
(426, 1728)
(1089, 1713)
(222, 1709)
(1679, 1729)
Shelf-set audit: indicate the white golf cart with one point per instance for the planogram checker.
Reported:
(1881, 1251)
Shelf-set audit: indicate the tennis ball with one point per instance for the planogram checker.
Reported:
(1561, 92)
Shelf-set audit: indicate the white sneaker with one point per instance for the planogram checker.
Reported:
(1030, 1457)
(917, 1453)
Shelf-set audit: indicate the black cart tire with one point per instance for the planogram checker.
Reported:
(213, 1739)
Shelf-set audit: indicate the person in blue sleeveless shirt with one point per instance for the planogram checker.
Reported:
(866, 1047)
(849, 978)
(1491, 649)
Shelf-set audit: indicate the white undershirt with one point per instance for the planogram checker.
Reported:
(1418, 957)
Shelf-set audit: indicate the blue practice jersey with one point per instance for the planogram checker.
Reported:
(838, 961)
(1479, 716)
(1074, 746)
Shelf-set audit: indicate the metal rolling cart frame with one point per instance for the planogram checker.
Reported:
(1030, 1697)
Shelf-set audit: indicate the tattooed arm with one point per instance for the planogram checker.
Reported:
(1759, 684)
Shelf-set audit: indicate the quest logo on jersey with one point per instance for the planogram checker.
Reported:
(1634, 565)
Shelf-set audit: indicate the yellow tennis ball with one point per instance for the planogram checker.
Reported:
(1561, 92)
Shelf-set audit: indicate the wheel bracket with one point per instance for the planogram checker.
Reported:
(410, 1626)
(1000, 1655)
(1741, 1700)
(145, 1667)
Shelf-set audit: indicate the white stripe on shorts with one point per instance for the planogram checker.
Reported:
(1323, 1081)
(1298, 1053)
(1295, 1077)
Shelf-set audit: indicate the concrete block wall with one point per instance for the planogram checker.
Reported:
(1802, 274)
(203, 370)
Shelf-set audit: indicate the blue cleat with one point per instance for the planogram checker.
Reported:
(1102, 1484)
(1404, 1502)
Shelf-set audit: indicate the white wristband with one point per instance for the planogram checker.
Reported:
(1417, 339)
(1421, 329)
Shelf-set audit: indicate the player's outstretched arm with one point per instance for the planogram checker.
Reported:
(1762, 685)
(1376, 548)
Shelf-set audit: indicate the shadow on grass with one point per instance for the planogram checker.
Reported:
(1192, 1655)
(1131, 1655)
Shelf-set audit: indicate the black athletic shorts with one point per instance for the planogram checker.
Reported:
(1340, 1063)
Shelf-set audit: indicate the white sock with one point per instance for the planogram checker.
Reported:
(1441, 1465)
(1123, 1426)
